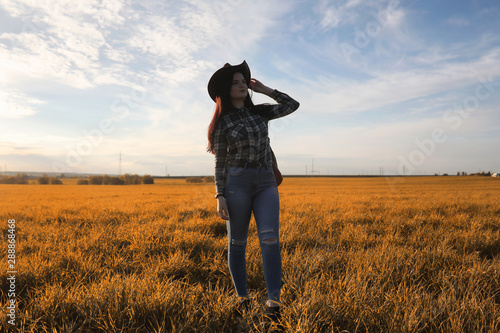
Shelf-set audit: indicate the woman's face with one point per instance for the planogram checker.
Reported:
(239, 88)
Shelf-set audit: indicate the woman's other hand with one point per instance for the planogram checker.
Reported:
(222, 208)
(259, 87)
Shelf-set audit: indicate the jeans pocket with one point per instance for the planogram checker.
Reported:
(236, 171)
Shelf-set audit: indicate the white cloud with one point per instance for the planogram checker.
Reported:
(73, 43)
(366, 34)
(118, 55)
(331, 18)
(331, 15)
(57, 46)
(341, 96)
(434, 55)
(458, 21)
(15, 104)
(85, 44)
(358, 13)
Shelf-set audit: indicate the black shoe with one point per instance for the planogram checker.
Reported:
(273, 313)
(242, 307)
(273, 317)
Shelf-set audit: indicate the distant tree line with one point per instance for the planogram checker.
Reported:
(482, 173)
(125, 179)
(197, 180)
(23, 179)
(46, 180)
(17, 179)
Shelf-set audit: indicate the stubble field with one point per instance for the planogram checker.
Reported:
(359, 255)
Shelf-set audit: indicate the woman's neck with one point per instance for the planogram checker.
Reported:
(238, 103)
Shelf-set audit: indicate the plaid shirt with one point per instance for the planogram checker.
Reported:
(242, 135)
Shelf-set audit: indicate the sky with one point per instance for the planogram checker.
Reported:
(385, 87)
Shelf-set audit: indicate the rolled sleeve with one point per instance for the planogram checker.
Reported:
(285, 106)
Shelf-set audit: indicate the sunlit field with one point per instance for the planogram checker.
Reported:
(408, 254)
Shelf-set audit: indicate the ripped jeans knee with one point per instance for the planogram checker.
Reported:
(269, 238)
(237, 245)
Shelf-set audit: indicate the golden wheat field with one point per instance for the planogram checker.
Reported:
(412, 254)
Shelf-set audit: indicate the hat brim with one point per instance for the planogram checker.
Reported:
(221, 76)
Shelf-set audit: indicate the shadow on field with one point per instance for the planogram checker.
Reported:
(489, 250)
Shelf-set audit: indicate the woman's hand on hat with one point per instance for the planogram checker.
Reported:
(259, 87)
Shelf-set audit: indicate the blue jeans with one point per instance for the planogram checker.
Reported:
(247, 190)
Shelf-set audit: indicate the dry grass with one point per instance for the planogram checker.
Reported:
(359, 255)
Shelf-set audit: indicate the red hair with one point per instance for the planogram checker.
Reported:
(213, 124)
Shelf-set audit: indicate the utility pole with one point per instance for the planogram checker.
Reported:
(312, 170)
(120, 165)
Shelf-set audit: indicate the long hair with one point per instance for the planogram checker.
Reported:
(223, 106)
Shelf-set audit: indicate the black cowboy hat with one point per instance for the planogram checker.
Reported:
(218, 81)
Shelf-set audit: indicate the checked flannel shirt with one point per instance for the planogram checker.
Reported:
(242, 135)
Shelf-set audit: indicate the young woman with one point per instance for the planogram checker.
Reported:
(244, 178)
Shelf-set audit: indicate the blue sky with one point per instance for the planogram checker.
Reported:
(385, 86)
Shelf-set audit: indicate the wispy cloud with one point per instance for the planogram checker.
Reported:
(15, 104)
(58, 42)
(458, 21)
(385, 88)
